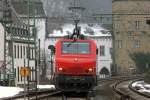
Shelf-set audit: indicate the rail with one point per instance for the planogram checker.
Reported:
(124, 96)
(134, 90)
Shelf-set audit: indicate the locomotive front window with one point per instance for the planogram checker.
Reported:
(76, 48)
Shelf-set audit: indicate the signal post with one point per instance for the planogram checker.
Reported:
(25, 72)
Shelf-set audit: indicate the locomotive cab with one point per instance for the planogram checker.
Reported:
(75, 65)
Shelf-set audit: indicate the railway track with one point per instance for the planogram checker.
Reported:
(122, 95)
(47, 95)
(77, 97)
(58, 95)
(117, 78)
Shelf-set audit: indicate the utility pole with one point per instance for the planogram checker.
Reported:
(52, 51)
(8, 56)
(76, 11)
(35, 48)
(32, 26)
(39, 61)
(28, 50)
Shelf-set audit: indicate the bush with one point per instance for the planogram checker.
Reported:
(147, 77)
(141, 61)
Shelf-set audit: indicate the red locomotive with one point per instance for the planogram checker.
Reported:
(75, 64)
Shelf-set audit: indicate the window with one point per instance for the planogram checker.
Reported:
(119, 43)
(18, 73)
(27, 51)
(21, 51)
(32, 76)
(24, 51)
(15, 51)
(33, 53)
(102, 50)
(137, 24)
(111, 50)
(76, 47)
(136, 44)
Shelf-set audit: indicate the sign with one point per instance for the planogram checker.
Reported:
(25, 71)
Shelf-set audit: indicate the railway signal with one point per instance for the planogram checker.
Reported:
(25, 71)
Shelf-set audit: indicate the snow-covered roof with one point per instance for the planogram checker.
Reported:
(46, 87)
(21, 8)
(86, 29)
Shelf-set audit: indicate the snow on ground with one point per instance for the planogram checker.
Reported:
(46, 86)
(12, 91)
(9, 91)
(144, 90)
(141, 86)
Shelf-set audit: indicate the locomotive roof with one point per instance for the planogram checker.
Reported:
(78, 39)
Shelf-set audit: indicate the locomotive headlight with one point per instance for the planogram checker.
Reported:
(60, 68)
(90, 69)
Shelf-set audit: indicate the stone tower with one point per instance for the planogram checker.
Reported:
(131, 32)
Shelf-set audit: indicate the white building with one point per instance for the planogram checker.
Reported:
(16, 54)
(37, 16)
(103, 40)
(104, 60)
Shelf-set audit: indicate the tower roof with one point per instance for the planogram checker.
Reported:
(36, 8)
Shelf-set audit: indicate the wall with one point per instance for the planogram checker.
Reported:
(21, 60)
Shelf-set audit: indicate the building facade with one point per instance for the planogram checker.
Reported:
(16, 54)
(131, 32)
(20, 55)
(35, 17)
(104, 59)
(16, 49)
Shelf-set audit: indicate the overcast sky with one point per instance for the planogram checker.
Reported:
(60, 7)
